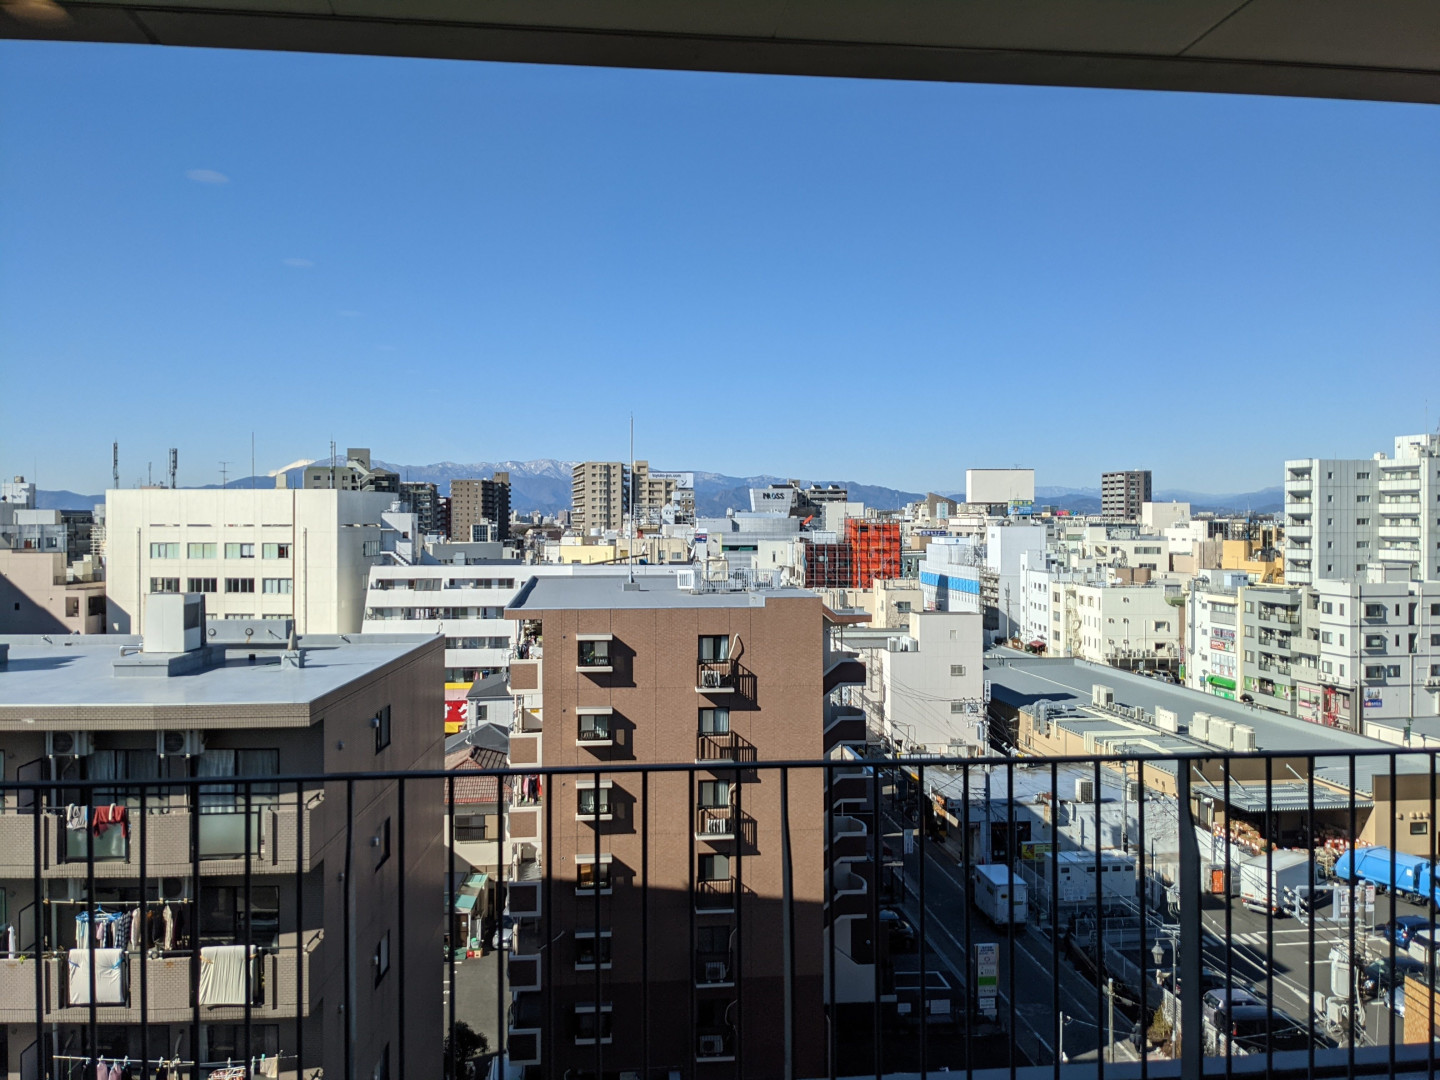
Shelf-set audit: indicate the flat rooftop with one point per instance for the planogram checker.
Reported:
(618, 592)
(78, 672)
(1021, 681)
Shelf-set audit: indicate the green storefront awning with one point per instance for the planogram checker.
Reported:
(1221, 681)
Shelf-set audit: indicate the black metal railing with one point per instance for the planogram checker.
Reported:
(1166, 915)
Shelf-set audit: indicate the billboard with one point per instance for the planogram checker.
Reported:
(1002, 486)
(684, 481)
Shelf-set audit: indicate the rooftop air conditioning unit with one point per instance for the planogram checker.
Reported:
(1084, 791)
(1200, 725)
(68, 744)
(1102, 696)
(179, 743)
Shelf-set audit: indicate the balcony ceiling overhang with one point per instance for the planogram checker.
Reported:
(1387, 50)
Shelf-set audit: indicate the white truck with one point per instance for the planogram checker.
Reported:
(1274, 887)
(1000, 895)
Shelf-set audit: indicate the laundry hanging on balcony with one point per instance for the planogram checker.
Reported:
(76, 817)
(102, 817)
(111, 985)
(222, 974)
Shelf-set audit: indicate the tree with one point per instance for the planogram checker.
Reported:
(469, 1043)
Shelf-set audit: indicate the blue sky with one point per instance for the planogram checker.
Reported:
(883, 282)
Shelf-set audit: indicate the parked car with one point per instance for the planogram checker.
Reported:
(901, 934)
(1215, 1004)
(1378, 976)
(1395, 999)
(1403, 930)
(1258, 1028)
(504, 935)
(1210, 979)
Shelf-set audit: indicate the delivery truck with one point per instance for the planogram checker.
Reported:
(1000, 895)
(1275, 881)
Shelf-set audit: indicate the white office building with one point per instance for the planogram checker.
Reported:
(263, 553)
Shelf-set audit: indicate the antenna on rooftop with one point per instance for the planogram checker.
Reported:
(115, 464)
(223, 474)
(174, 464)
(633, 508)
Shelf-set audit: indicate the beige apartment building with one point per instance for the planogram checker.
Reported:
(476, 503)
(598, 496)
(170, 888)
(688, 924)
(37, 598)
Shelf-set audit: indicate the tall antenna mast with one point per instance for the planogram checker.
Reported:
(223, 474)
(174, 463)
(252, 459)
(115, 464)
(633, 508)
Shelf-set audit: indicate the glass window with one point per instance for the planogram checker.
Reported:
(714, 793)
(239, 551)
(224, 915)
(239, 584)
(714, 867)
(164, 584)
(469, 828)
(200, 551)
(275, 551)
(594, 654)
(201, 584)
(715, 721)
(381, 723)
(164, 551)
(714, 647)
(589, 805)
(278, 585)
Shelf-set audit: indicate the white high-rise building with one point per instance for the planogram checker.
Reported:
(1341, 515)
(262, 553)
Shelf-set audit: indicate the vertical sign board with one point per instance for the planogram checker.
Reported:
(987, 976)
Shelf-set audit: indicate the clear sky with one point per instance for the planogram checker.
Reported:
(882, 282)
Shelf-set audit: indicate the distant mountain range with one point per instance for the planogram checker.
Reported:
(544, 485)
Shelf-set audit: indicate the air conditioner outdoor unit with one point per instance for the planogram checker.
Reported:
(714, 971)
(1133, 791)
(710, 679)
(68, 744)
(179, 743)
(1085, 791)
(712, 1045)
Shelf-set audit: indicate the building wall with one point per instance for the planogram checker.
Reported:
(656, 707)
(1124, 494)
(598, 496)
(995, 486)
(35, 599)
(331, 536)
(934, 692)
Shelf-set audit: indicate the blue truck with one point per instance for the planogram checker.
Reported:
(1414, 876)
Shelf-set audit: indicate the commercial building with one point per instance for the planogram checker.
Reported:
(185, 705)
(1128, 626)
(599, 498)
(875, 550)
(1008, 549)
(1341, 515)
(260, 553)
(38, 595)
(355, 474)
(931, 685)
(653, 672)
(802, 502)
(1123, 495)
(662, 498)
(475, 504)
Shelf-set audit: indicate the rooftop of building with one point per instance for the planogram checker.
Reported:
(618, 591)
(79, 671)
(1021, 681)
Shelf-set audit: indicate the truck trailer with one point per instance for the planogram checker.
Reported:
(1000, 894)
(1274, 885)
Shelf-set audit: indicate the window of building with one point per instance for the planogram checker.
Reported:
(239, 584)
(1374, 671)
(383, 838)
(382, 957)
(586, 950)
(226, 1042)
(275, 551)
(902, 607)
(164, 584)
(1435, 669)
(96, 606)
(200, 551)
(1419, 828)
(957, 670)
(594, 654)
(714, 647)
(592, 801)
(238, 616)
(470, 828)
(381, 723)
(1249, 657)
(1392, 671)
(239, 551)
(1250, 606)
(589, 1023)
(72, 607)
(713, 793)
(164, 551)
(1362, 521)
(224, 916)
(1374, 641)
(714, 867)
(369, 548)
(586, 874)
(1362, 498)
(715, 721)
(201, 584)
(278, 585)
(1374, 611)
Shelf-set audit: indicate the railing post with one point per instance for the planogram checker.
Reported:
(1191, 1031)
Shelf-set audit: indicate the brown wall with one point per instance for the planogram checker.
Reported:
(1409, 807)
(652, 691)
(33, 596)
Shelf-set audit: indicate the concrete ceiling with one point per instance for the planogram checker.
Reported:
(1385, 50)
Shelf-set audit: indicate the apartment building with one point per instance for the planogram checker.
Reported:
(1128, 626)
(650, 672)
(931, 685)
(475, 504)
(39, 595)
(1279, 644)
(355, 474)
(1212, 636)
(1123, 494)
(599, 496)
(1343, 514)
(1378, 651)
(424, 502)
(250, 882)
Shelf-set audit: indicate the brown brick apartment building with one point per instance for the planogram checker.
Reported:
(690, 914)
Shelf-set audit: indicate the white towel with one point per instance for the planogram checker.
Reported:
(110, 981)
(75, 817)
(222, 975)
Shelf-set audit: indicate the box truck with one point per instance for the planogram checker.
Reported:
(1274, 885)
(999, 894)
